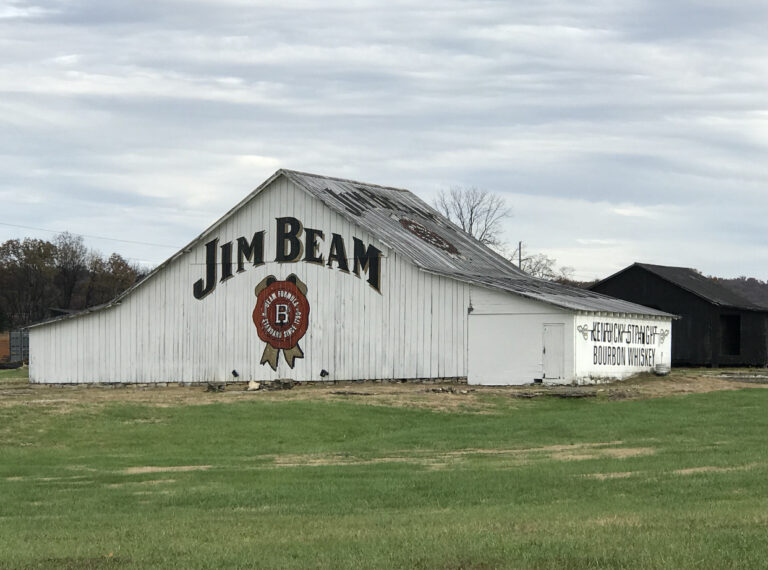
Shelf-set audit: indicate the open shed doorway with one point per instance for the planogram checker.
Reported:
(730, 335)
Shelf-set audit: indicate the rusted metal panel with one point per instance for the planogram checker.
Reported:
(5, 346)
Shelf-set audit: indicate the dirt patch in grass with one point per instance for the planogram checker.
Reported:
(606, 476)
(74, 479)
(613, 452)
(442, 460)
(148, 482)
(623, 452)
(61, 478)
(616, 520)
(169, 469)
(713, 469)
(315, 460)
(573, 446)
(572, 456)
(447, 397)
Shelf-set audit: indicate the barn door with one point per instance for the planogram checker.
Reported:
(554, 353)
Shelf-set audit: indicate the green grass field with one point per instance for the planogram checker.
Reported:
(678, 482)
(16, 374)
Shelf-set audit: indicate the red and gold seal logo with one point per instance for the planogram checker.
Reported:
(281, 317)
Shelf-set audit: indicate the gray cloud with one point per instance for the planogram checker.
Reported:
(617, 130)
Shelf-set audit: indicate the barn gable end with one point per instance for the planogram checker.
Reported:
(160, 332)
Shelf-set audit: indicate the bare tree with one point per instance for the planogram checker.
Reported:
(477, 212)
(540, 265)
(481, 214)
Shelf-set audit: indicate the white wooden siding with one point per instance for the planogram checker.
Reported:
(506, 341)
(415, 328)
(505, 338)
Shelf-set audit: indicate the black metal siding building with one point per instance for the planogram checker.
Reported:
(718, 325)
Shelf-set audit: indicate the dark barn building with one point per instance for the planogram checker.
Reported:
(719, 325)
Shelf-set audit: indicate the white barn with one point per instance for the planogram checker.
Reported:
(314, 278)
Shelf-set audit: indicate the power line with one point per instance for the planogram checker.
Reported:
(92, 236)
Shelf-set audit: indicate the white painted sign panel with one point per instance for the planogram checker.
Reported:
(611, 346)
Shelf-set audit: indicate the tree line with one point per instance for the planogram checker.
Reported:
(754, 290)
(40, 279)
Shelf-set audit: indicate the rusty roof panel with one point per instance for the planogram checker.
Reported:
(406, 224)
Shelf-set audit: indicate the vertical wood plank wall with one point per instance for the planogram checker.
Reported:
(415, 328)
(506, 339)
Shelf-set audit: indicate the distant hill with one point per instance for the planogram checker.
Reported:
(575, 283)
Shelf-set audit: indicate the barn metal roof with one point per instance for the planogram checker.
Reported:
(417, 231)
(710, 289)
(414, 229)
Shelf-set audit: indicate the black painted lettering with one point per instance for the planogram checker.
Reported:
(226, 261)
(289, 246)
(311, 245)
(338, 253)
(253, 251)
(368, 260)
(202, 288)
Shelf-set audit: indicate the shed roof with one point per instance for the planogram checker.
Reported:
(713, 290)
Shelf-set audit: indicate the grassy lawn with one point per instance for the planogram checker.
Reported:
(677, 482)
(15, 374)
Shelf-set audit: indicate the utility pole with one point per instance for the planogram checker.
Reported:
(520, 255)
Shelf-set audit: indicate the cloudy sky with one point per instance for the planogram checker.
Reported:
(617, 130)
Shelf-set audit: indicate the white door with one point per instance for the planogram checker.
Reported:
(554, 353)
(491, 350)
(502, 350)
